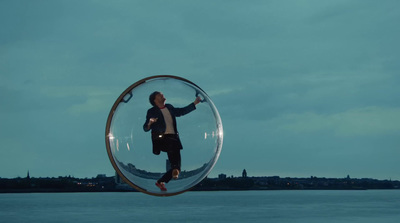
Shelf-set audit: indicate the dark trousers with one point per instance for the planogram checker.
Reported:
(174, 157)
(172, 146)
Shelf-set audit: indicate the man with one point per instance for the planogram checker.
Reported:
(161, 120)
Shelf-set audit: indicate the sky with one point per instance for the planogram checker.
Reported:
(304, 88)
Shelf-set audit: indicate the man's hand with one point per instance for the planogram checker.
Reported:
(197, 100)
(151, 121)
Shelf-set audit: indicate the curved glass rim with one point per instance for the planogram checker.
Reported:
(108, 125)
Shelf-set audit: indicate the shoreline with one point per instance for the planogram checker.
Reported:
(114, 184)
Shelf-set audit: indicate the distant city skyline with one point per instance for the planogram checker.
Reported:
(219, 176)
(303, 88)
(242, 174)
(102, 183)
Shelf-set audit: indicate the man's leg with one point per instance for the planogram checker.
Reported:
(175, 159)
(166, 177)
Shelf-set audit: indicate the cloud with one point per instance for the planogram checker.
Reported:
(356, 122)
(82, 99)
(222, 91)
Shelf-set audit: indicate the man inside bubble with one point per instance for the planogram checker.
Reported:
(161, 120)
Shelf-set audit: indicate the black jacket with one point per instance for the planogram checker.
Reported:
(158, 128)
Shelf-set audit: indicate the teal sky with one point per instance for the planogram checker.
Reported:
(304, 88)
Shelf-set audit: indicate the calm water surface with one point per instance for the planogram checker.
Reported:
(234, 206)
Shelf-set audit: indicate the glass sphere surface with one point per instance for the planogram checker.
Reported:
(129, 147)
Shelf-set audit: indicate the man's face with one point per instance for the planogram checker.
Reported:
(160, 98)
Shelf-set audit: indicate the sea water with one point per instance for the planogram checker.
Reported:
(224, 206)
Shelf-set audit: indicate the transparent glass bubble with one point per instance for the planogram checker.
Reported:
(129, 147)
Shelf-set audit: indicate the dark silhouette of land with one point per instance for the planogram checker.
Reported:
(102, 183)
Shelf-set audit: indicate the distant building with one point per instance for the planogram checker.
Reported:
(101, 176)
(222, 176)
(118, 179)
(244, 173)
